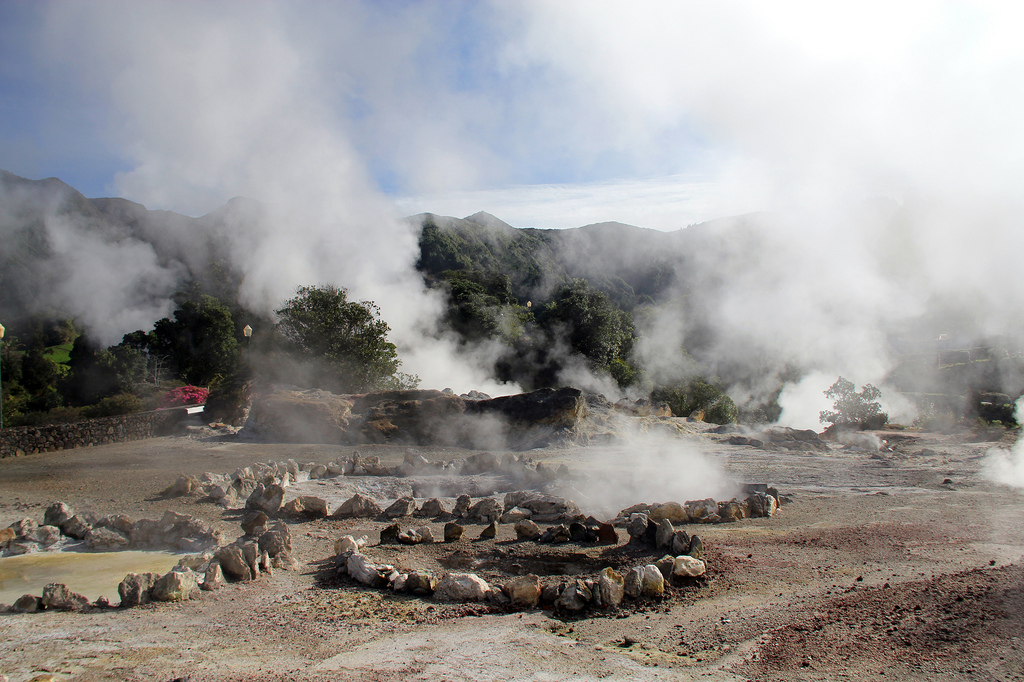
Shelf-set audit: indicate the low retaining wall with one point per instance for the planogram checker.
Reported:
(27, 440)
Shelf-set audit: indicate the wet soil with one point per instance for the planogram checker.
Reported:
(903, 564)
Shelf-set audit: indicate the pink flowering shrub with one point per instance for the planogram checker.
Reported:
(185, 395)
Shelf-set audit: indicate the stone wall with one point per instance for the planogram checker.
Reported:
(27, 440)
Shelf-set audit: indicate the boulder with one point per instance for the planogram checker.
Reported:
(653, 582)
(664, 535)
(462, 503)
(233, 563)
(555, 534)
(105, 540)
(490, 532)
(409, 537)
(254, 523)
(687, 567)
(574, 598)
(358, 506)
(761, 505)
(389, 534)
(551, 508)
(696, 547)
(266, 498)
(183, 485)
(292, 416)
(175, 586)
(664, 565)
(27, 603)
(703, 511)
(453, 532)
(403, 506)
(57, 596)
(680, 543)
(731, 511)
(134, 589)
(426, 534)
(44, 535)
(515, 514)
(487, 510)
(527, 530)
(7, 536)
(637, 527)
(285, 561)
(213, 578)
(57, 514)
(121, 523)
(606, 534)
(536, 418)
(76, 527)
(611, 587)
(275, 540)
(361, 570)
(420, 583)
(524, 591)
(306, 506)
(461, 587)
(344, 544)
(671, 511)
(432, 509)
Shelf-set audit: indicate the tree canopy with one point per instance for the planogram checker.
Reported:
(345, 340)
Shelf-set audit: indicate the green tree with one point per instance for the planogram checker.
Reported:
(698, 395)
(854, 409)
(200, 341)
(345, 342)
(596, 328)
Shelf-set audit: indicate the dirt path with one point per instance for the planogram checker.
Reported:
(878, 568)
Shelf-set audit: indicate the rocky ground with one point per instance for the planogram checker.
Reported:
(901, 563)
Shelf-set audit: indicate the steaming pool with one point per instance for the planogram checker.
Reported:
(93, 574)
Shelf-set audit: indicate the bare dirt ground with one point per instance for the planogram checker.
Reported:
(905, 564)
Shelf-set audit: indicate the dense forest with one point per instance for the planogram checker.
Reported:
(556, 303)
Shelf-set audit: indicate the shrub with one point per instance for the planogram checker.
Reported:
(185, 395)
(695, 397)
(111, 406)
(861, 410)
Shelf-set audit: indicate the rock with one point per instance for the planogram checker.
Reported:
(23, 527)
(254, 523)
(318, 471)
(426, 535)
(389, 534)
(490, 532)
(120, 523)
(487, 510)
(664, 565)
(105, 540)
(611, 587)
(285, 561)
(461, 587)
(275, 541)
(653, 582)
(57, 514)
(45, 535)
(527, 530)
(461, 509)
(420, 583)
(536, 418)
(574, 598)
(577, 532)
(606, 534)
(670, 511)
(414, 463)
(761, 505)
(311, 416)
(687, 567)
(213, 578)
(76, 527)
(680, 543)
(403, 506)
(550, 508)
(7, 536)
(515, 514)
(366, 573)
(27, 603)
(233, 563)
(182, 486)
(266, 498)
(731, 511)
(251, 554)
(664, 534)
(57, 596)
(409, 537)
(307, 506)
(358, 506)
(524, 591)
(346, 543)
(134, 589)
(637, 527)
(479, 463)
(453, 532)
(555, 534)
(703, 511)
(432, 509)
(175, 586)
(696, 548)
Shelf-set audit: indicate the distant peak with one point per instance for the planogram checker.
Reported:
(487, 220)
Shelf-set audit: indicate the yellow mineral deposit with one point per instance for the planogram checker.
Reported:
(92, 574)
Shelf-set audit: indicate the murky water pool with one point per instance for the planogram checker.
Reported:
(92, 574)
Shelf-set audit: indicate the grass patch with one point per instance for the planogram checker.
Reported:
(60, 354)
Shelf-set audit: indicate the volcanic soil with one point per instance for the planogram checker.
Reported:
(900, 563)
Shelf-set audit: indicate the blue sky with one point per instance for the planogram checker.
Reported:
(545, 113)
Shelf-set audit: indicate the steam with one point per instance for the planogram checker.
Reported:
(1007, 466)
